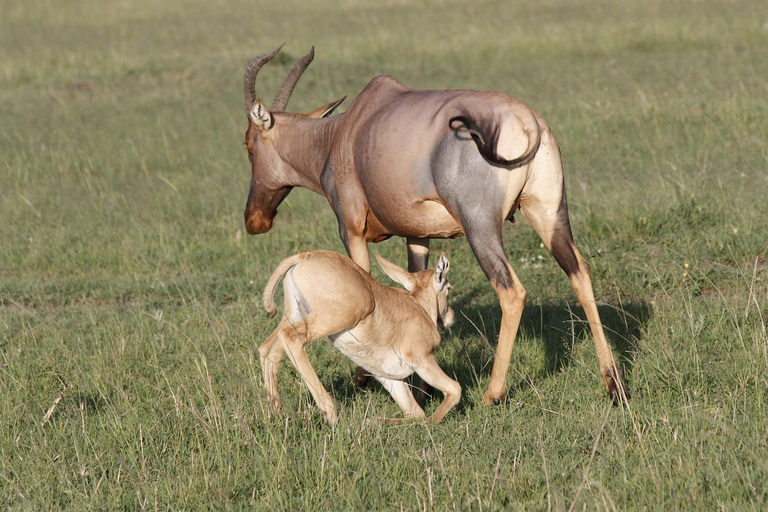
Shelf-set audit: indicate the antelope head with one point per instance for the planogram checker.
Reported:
(270, 140)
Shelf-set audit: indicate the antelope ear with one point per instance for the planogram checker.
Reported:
(441, 271)
(260, 116)
(396, 273)
(326, 110)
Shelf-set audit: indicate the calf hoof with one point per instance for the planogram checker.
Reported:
(361, 378)
(617, 390)
(424, 392)
(331, 418)
(275, 407)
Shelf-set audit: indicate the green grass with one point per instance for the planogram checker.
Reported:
(129, 293)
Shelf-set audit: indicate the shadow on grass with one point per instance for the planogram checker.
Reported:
(558, 325)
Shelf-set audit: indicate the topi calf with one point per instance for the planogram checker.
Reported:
(390, 332)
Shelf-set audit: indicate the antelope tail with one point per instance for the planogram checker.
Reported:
(486, 133)
(268, 298)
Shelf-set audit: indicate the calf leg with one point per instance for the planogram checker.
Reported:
(294, 339)
(271, 355)
(433, 375)
(401, 392)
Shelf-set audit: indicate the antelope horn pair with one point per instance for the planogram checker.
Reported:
(284, 94)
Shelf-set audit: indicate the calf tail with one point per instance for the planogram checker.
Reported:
(268, 298)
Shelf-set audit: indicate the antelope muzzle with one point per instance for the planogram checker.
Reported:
(256, 222)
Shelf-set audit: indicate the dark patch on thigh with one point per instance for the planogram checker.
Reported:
(488, 248)
(562, 250)
(469, 186)
(467, 183)
(562, 240)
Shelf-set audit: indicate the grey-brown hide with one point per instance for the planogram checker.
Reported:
(277, 144)
(390, 332)
(421, 165)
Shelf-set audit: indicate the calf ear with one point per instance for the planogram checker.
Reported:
(326, 110)
(260, 116)
(396, 273)
(441, 271)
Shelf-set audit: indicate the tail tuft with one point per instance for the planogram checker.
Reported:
(268, 297)
(485, 133)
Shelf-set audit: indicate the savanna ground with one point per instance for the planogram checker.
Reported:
(129, 293)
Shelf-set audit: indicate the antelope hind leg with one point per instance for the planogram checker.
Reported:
(546, 207)
(487, 245)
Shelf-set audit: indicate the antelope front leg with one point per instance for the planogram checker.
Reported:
(418, 254)
(358, 251)
(418, 260)
(357, 248)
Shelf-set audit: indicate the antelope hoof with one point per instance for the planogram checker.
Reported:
(493, 400)
(424, 392)
(361, 378)
(617, 390)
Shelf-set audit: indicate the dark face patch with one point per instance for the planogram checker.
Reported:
(261, 208)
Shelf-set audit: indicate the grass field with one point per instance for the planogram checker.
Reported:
(129, 292)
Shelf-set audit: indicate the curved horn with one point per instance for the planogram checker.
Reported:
(284, 94)
(249, 83)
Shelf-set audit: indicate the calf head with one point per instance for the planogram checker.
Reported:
(429, 287)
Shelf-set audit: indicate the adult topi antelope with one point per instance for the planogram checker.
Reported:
(388, 331)
(424, 164)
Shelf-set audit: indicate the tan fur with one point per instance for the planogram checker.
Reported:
(390, 332)
(424, 164)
